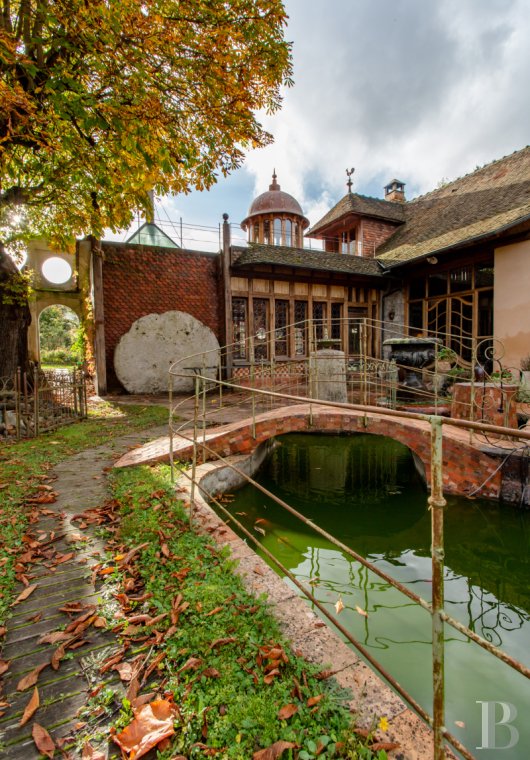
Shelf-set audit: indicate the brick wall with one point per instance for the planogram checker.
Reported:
(142, 280)
(374, 233)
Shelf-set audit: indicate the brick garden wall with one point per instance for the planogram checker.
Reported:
(141, 280)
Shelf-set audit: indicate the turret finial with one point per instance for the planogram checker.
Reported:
(275, 185)
(349, 183)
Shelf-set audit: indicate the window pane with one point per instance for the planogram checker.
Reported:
(336, 315)
(288, 235)
(281, 320)
(261, 328)
(239, 327)
(461, 279)
(416, 317)
(296, 242)
(267, 231)
(277, 232)
(437, 284)
(417, 288)
(483, 276)
(300, 329)
(256, 233)
(319, 320)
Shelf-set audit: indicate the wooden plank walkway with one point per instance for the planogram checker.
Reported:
(80, 483)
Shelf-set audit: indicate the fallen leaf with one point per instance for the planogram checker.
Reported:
(32, 678)
(152, 724)
(53, 637)
(339, 605)
(89, 753)
(274, 751)
(259, 530)
(211, 673)
(287, 711)
(43, 740)
(57, 656)
(106, 570)
(377, 746)
(314, 700)
(214, 611)
(24, 595)
(222, 642)
(361, 611)
(125, 670)
(31, 707)
(192, 664)
(4, 667)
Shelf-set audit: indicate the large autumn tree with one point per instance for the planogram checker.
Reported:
(103, 100)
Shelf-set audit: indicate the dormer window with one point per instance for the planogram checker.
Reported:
(347, 242)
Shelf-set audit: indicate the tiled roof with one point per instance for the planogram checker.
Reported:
(300, 258)
(363, 205)
(477, 206)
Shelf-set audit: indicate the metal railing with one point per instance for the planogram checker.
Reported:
(41, 401)
(249, 398)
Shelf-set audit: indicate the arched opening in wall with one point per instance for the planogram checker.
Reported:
(60, 337)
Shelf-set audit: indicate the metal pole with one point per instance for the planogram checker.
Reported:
(36, 400)
(194, 460)
(436, 506)
(171, 460)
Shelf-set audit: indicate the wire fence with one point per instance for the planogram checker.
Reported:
(41, 401)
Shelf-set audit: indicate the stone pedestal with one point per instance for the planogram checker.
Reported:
(493, 404)
(327, 375)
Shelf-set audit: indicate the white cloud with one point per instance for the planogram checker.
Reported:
(415, 90)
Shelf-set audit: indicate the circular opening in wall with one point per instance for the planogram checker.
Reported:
(56, 270)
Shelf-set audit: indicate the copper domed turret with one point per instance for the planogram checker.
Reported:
(275, 218)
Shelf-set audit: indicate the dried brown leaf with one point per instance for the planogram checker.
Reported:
(125, 670)
(89, 753)
(192, 664)
(32, 678)
(31, 708)
(24, 595)
(274, 751)
(211, 673)
(152, 724)
(377, 746)
(53, 637)
(287, 711)
(221, 642)
(314, 700)
(4, 667)
(43, 740)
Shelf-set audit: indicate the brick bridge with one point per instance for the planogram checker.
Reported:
(466, 465)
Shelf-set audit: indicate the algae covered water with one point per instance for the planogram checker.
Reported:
(364, 490)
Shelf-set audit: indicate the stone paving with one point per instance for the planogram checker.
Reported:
(81, 484)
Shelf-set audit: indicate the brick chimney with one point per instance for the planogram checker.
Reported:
(395, 191)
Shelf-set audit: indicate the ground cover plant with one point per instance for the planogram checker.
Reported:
(25, 485)
(219, 676)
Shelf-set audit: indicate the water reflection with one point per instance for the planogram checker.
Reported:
(365, 491)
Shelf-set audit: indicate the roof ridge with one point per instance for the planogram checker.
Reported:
(476, 170)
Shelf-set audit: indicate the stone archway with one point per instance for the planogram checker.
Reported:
(58, 335)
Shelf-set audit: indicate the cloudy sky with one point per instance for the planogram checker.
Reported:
(420, 90)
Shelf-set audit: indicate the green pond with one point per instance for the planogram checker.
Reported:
(365, 491)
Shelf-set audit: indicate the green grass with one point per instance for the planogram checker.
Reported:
(235, 712)
(21, 464)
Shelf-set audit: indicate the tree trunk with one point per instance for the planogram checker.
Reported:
(15, 318)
